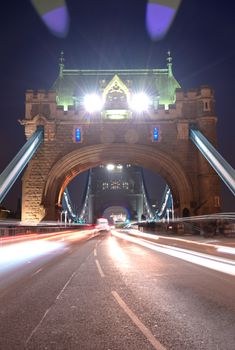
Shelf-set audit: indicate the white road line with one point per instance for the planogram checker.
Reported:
(95, 252)
(69, 280)
(58, 296)
(99, 268)
(36, 328)
(156, 344)
(35, 273)
(43, 317)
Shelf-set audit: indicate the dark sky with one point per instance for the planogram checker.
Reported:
(112, 34)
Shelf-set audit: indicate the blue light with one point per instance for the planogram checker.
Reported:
(78, 136)
(155, 134)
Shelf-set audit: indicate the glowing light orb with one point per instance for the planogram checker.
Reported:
(110, 167)
(119, 166)
(93, 103)
(140, 102)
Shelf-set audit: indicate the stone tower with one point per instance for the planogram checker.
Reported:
(77, 139)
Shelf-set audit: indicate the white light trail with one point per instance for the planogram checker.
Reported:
(209, 261)
(18, 254)
(16, 251)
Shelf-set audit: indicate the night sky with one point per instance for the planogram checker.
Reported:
(112, 34)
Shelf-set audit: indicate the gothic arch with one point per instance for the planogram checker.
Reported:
(85, 158)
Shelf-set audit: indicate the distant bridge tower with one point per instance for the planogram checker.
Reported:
(116, 192)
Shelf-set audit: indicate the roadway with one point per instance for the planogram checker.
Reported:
(110, 292)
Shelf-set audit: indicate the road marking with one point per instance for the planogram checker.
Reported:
(47, 311)
(35, 273)
(156, 344)
(43, 317)
(95, 252)
(69, 280)
(99, 268)
(36, 328)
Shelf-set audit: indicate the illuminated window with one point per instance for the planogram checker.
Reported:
(78, 135)
(125, 185)
(105, 186)
(155, 135)
(115, 185)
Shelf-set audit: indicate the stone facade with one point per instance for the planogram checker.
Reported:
(194, 184)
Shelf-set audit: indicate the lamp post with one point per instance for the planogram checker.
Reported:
(168, 215)
(65, 217)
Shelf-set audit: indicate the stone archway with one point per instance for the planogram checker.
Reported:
(85, 158)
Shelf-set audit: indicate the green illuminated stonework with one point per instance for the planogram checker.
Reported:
(72, 85)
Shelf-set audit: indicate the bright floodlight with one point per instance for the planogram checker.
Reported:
(93, 103)
(110, 167)
(140, 102)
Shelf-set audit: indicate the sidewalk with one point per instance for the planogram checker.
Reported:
(218, 245)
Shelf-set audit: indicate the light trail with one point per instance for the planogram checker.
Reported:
(18, 254)
(209, 261)
(219, 248)
(16, 251)
(227, 250)
(46, 236)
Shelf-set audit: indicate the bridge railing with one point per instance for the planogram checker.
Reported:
(207, 226)
(23, 230)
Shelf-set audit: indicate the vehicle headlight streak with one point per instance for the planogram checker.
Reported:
(14, 252)
(211, 262)
(117, 253)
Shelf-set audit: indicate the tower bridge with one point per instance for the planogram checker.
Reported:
(140, 117)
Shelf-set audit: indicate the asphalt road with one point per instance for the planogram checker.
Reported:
(107, 293)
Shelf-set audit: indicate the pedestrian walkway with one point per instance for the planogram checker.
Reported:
(217, 245)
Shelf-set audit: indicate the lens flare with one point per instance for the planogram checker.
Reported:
(54, 14)
(140, 102)
(93, 103)
(159, 17)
